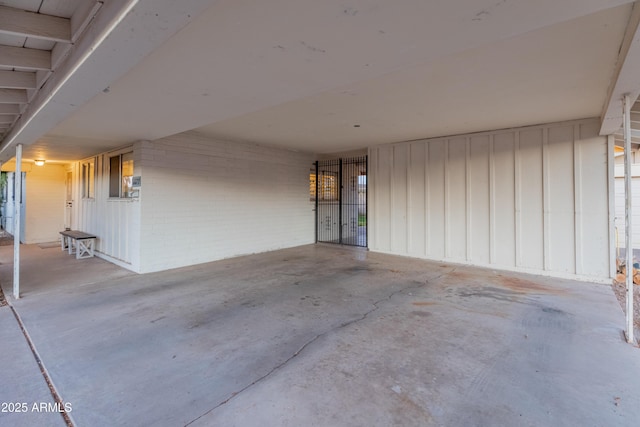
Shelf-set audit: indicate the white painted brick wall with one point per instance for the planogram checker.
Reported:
(204, 200)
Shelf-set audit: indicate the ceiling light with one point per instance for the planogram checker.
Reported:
(39, 162)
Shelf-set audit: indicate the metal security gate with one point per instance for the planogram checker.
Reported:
(341, 201)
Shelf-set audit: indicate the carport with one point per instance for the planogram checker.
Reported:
(213, 159)
(182, 134)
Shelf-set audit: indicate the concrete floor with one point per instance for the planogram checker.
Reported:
(315, 336)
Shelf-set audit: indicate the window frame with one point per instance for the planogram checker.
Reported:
(121, 194)
(88, 186)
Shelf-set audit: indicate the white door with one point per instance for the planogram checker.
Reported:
(68, 209)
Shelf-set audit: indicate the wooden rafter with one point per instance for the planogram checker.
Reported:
(21, 57)
(13, 96)
(36, 25)
(9, 109)
(6, 119)
(17, 80)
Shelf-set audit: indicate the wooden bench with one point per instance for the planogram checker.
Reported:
(83, 244)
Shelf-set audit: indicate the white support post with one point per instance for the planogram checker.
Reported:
(17, 186)
(628, 215)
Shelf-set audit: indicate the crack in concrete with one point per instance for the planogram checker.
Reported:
(314, 339)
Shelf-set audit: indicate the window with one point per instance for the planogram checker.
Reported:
(329, 185)
(312, 185)
(121, 175)
(326, 183)
(88, 179)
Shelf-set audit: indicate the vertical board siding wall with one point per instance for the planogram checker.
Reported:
(205, 200)
(116, 222)
(533, 199)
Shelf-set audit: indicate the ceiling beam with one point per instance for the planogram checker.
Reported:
(30, 24)
(13, 96)
(9, 109)
(82, 16)
(626, 79)
(17, 80)
(22, 57)
(6, 119)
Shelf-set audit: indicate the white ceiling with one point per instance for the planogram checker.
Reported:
(557, 73)
(301, 73)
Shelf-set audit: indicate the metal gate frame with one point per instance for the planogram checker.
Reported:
(338, 207)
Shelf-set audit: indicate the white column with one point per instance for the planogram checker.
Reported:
(627, 215)
(17, 185)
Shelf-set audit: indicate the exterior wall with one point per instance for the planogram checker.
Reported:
(204, 200)
(532, 199)
(116, 222)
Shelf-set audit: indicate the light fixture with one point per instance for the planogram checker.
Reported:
(39, 162)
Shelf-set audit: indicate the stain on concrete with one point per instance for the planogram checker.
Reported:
(552, 310)
(421, 313)
(410, 412)
(357, 269)
(491, 292)
(460, 277)
(545, 319)
(527, 286)
(158, 319)
(350, 11)
(313, 48)
(251, 304)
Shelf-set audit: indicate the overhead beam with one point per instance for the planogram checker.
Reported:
(6, 119)
(13, 96)
(17, 80)
(31, 24)
(626, 79)
(22, 57)
(9, 109)
(82, 16)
